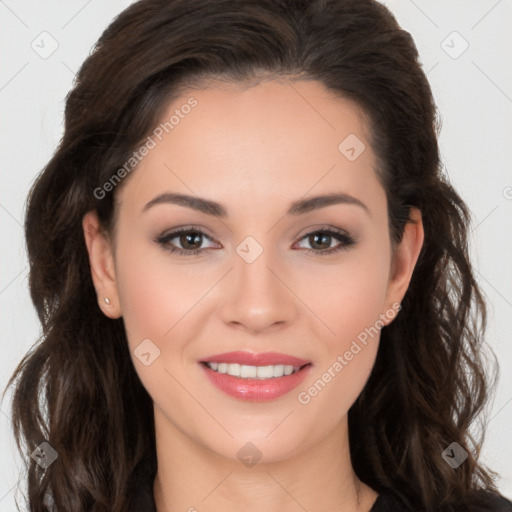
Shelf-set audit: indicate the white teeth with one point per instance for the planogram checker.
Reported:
(253, 372)
(265, 372)
(244, 371)
(233, 369)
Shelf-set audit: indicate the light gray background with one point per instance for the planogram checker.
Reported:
(473, 92)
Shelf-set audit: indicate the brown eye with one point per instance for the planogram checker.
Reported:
(191, 240)
(321, 241)
(185, 242)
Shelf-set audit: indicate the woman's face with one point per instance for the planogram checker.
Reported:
(265, 278)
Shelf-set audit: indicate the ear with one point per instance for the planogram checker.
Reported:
(102, 265)
(404, 260)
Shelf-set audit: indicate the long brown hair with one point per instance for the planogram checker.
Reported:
(77, 387)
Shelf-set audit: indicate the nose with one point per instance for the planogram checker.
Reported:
(257, 297)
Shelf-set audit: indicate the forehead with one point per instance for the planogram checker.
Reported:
(277, 137)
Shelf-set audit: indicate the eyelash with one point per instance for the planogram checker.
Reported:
(347, 241)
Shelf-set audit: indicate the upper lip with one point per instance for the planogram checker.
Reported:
(254, 359)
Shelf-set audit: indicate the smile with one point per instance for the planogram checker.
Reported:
(255, 383)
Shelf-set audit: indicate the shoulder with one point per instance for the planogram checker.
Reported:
(389, 501)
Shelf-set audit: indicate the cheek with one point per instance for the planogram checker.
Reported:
(155, 293)
(349, 302)
(349, 296)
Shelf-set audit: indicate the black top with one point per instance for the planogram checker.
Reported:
(142, 500)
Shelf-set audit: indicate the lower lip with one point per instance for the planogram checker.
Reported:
(256, 390)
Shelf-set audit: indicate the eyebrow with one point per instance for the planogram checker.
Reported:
(298, 207)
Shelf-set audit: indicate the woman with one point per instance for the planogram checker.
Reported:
(251, 273)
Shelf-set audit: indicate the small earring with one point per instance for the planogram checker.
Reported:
(107, 302)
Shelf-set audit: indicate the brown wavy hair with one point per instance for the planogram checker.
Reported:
(77, 387)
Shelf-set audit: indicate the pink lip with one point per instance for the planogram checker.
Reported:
(252, 359)
(255, 390)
